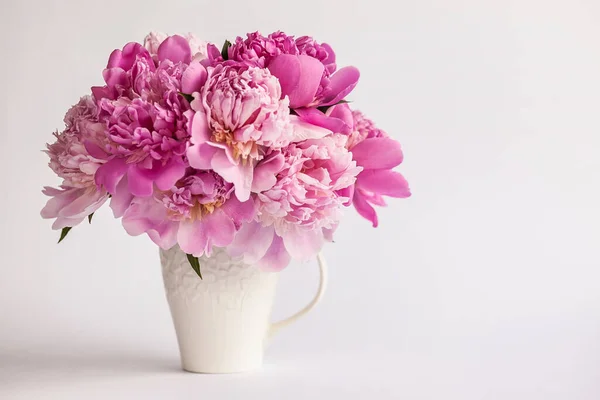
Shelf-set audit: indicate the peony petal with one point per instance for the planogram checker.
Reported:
(146, 215)
(121, 200)
(101, 92)
(115, 77)
(383, 182)
(198, 126)
(299, 77)
(200, 155)
(328, 233)
(165, 236)
(170, 174)
(312, 116)
(72, 205)
(330, 54)
(176, 49)
(340, 85)
(219, 228)
(251, 241)
(239, 212)
(115, 58)
(364, 208)
(86, 203)
(94, 150)
(276, 258)
(303, 244)
(192, 237)
(343, 113)
(143, 215)
(109, 174)
(50, 191)
(265, 173)
(193, 78)
(240, 175)
(138, 182)
(348, 193)
(62, 222)
(126, 58)
(377, 153)
(60, 199)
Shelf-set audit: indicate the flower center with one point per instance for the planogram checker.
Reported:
(199, 210)
(240, 150)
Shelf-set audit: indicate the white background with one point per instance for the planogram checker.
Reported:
(484, 285)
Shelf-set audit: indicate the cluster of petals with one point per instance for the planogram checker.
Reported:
(250, 148)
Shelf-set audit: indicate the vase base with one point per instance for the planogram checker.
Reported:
(222, 371)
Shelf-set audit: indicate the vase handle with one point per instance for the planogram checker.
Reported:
(275, 327)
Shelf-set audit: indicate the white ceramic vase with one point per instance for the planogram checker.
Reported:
(223, 320)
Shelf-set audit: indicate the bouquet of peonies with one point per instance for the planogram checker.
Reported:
(252, 148)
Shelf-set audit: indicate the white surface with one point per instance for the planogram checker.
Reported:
(482, 286)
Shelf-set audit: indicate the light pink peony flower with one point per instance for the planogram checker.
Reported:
(237, 115)
(198, 213)
(377, 153)
(78, 196)
(198, 47)
(299, 212)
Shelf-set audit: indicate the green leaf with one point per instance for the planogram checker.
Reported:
(224, 53)
(195, 264)
(90, 217)
(324, 109)
(186, 96)
(63, 233)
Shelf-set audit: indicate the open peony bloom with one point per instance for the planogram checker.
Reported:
(306, 71)
(143, 111)
(198, 47)
(377, 153)
(197, 213)
(297, 213)
(258, 50)
(237, 116)
(78, 196)
(311, 82)
(310, 86)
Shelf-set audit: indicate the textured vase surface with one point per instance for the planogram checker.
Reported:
(223, 320)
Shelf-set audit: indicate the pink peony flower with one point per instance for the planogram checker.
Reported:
(299, 212)
(258, 50)
(198, 47)
(198, 213)
(144, 113)
(237, 115)
(321, 51)
(377, 154)
(78, 196)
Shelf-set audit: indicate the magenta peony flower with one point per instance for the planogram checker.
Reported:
(144, 113)
(300, 210)
(377, 154)
(199, 212)
(258, 50)
(78, 195)
(321, 51)
(236, 116)
(310, 88)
